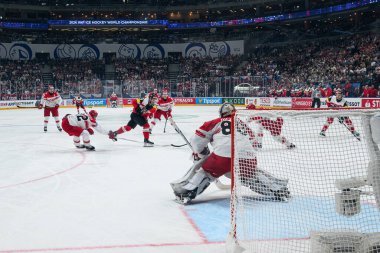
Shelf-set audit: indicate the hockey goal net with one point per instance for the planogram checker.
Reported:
(295, 189)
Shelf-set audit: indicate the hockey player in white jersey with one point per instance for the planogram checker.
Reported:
(207, 167)
(80, 125)
(334, 102)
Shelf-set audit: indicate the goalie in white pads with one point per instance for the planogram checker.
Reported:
(81, 125)
(207, 167)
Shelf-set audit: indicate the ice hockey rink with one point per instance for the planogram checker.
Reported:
(56, 198)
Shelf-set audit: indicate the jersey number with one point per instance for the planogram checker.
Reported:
(82, 117)
(226, 127)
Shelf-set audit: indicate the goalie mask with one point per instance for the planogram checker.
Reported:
(226, 109)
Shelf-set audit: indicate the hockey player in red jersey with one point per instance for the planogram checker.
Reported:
(251, 106)
(274, 127)
(81, 125)
(113, 100)
(164, 108)
(339, 101)
(50, 101)
(154, 93)
(142, 110)
(207, 167)
(78, 102)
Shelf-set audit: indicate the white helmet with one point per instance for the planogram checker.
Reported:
(226, 109)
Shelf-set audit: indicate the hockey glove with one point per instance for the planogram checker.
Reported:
(40, 106)
(56, 106)
(90, 131)
(112, 135)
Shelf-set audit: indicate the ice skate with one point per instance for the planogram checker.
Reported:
(90, 147)
(148, 143)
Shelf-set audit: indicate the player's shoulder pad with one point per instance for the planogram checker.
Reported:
(208, 125)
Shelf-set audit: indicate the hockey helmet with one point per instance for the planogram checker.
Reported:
(165, 92)
(226, 109)
(51, 88)
(78, 98)
(93, 114)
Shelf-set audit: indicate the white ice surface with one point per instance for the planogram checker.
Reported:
(55, 198)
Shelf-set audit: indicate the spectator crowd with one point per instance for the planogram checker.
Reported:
(349, 62)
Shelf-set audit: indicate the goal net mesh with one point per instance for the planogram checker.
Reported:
(295, 190)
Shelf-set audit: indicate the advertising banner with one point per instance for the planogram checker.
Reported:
(260, 101)
(235, 101)
(27, 51)
(184, 101)
(209, 101)
(127, 101)
(301, 103)
(15, 103)
(282, 102)
(371, 102)
(95, 102)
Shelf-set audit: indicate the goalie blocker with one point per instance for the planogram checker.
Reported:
(207, 167)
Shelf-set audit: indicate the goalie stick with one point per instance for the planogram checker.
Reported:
(217, 182)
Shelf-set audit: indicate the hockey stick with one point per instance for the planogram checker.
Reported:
(218, 184)
(178, 146)
(166, 121)
(27, 107)
(348, 128)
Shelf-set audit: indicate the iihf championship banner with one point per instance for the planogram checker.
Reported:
(26, 51)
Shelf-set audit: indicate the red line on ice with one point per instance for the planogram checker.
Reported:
(48, 176)
(192, 223)
(110, 247)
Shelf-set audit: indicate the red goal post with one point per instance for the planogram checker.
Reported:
(333, 181)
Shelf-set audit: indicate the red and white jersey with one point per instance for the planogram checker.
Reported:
(334, 102)
(274, 126)
(85, 121)
(113, 97)
(165, 104)
(78, 102)
(51, 99)
(217, 132)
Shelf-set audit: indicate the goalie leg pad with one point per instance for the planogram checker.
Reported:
(194, 186)
(267, 184)
(190, 173)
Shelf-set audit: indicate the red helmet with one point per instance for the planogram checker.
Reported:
(93, 114)
(165, 92)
